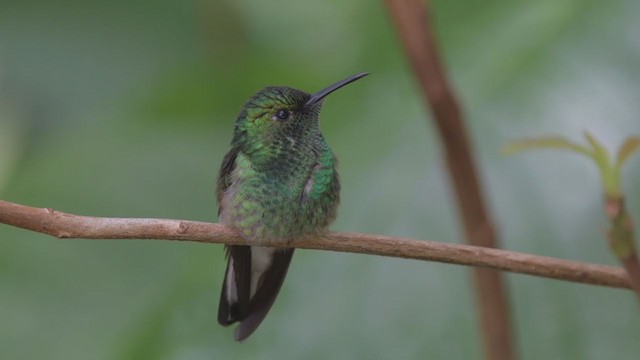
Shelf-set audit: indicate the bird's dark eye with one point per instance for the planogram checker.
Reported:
(283, 114)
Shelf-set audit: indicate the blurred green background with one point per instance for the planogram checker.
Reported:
(125, 108)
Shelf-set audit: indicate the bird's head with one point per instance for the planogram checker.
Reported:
(279, 114)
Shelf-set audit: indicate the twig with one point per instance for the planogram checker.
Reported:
(413, 25)
(63, 225)
(622, 239)
(620, 234)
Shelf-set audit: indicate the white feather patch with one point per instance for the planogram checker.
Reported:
(261, 258)
(232, 291)
(308, 186)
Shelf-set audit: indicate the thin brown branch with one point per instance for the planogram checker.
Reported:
(412, 22)
(621, 238)
(63, 225)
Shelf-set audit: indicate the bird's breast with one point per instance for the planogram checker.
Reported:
(277, 203)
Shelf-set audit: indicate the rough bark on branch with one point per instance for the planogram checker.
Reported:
(63, 225)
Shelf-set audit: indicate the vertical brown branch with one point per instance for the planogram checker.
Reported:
(412, 23)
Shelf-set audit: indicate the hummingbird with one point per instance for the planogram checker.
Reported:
(278, 182)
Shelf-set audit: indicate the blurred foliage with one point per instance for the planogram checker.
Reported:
(621, 231)
(115, 108)
(610, 168)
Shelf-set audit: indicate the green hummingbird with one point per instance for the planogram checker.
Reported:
(278, 182)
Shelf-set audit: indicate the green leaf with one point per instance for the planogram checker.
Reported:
(550, 142)
(610, 174)
(627, 149)
(601, 154)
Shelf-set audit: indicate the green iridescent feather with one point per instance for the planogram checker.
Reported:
(278, 182)
(282, 183)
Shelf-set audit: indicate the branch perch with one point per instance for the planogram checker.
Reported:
(63, 225)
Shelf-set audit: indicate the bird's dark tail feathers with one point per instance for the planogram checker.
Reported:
(238, 301)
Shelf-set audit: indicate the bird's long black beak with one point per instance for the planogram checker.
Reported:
(331, 88)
